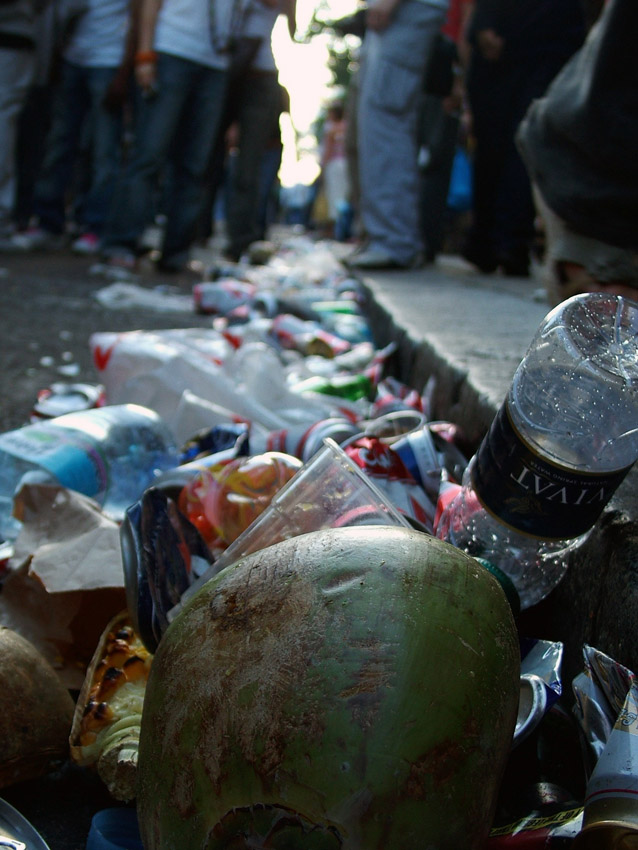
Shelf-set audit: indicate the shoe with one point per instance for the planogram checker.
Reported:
(180, 264)
(563, 279)
(231, 254)
(374, 258)
(514, 265)
(86, 244)
(480, 256)
(38, 239)
(121, 259)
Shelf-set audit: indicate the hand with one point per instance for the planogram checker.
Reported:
(490, 44)
(378, 17)
(454, 101)
(146, 76)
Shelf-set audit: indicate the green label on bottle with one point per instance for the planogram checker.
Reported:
(530, 493)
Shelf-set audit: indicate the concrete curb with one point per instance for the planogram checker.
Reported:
(469, 332)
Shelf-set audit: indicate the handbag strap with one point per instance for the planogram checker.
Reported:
(238, 10)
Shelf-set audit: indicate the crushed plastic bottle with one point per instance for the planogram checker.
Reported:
(561, 444)
(110, 453)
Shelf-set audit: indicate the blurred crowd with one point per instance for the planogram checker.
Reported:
(118, 113)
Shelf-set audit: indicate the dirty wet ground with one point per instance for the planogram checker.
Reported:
(48, 311)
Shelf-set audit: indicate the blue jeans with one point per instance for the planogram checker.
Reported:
(174, 138)
(392, 66)
(16, 73)
(257, 109)
(77, 109)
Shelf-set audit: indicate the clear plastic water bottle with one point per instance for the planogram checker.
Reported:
(564, 439)
(111, 454)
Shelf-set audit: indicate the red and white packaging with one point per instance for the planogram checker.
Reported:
(222, 296)
(390, 474)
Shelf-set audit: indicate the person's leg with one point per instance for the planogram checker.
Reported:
(198, 125)
(70, 105)
(213, 200)
(33, 127)
(515, 214)
(391, 76)
(441, 130)
(259, 102)
(352, 151)
(267, 207)
(106, 149)
(576, 263)
(158, 120)
(578, 141)
(489, 91)
(16, 72)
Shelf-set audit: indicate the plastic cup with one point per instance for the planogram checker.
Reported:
(329, 491)
(390, 427)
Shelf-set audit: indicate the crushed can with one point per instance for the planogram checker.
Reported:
(62, 397)
(304, 441)
(610, 820)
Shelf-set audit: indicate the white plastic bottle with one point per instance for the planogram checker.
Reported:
(560, 445)
(110, 453)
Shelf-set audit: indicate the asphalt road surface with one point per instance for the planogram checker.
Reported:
(48, 311)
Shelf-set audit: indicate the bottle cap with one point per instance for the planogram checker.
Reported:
(114, 829)
(506, 583)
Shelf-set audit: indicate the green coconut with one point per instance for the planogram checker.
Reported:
(353, 688)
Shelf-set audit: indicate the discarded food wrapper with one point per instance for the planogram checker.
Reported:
(223, 500)
(600, 691)
(539, 831)
(162, 552)
(611, 808)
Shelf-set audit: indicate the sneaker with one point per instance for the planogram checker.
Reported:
(86, 244)
(372, 258)
(122, 260)
(38, 239)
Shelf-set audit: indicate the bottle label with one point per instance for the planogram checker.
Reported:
(530, 493)
(72, 458)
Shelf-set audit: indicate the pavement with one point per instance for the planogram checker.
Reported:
(462, 331)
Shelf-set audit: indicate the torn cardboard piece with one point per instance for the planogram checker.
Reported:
(65, 579)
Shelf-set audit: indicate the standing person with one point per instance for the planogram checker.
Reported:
(517, 50)
(334, 162)
(88, 98)
(255, 103)
(180, 69)
(440, 117)
(579, 143)
(17, 67)
(268, 206)
(398, 39)
(53, 25)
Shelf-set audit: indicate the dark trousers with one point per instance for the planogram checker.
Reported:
(503, 210)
